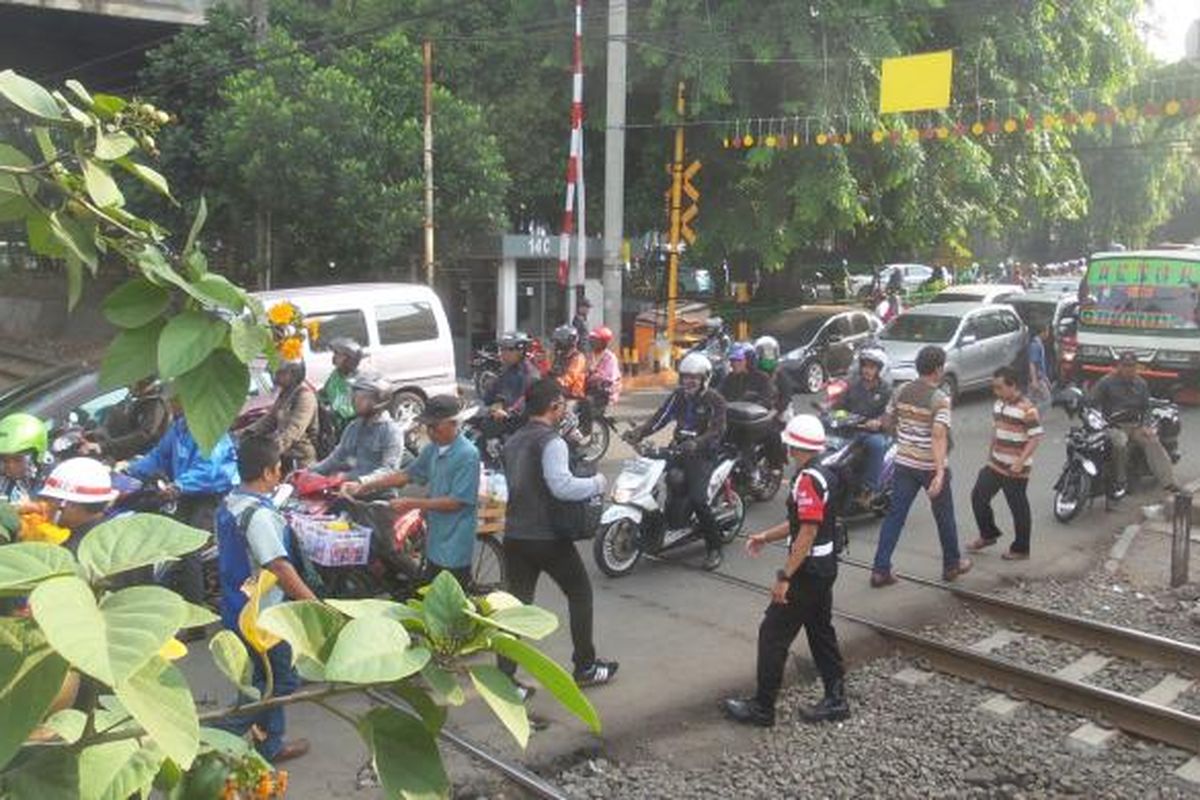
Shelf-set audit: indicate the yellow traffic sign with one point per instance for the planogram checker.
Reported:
(685, 223)
(689, 173)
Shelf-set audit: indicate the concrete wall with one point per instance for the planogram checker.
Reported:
(174, 12)
(35, 308)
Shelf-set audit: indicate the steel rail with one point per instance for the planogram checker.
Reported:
(518, 774)
(1183, 657)
(1131, 714)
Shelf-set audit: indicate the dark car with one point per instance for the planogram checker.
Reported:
(1057, 310)
(817, 343)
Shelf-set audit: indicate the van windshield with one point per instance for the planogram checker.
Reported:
(1145, 294)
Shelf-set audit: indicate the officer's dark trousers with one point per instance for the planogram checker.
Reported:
(810, 605)
(697, 471)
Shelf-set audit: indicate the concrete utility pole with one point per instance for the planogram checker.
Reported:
(614, 167)
(676, 221)
(429, 268)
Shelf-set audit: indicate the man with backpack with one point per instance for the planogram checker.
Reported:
(802, 596)
(252, 535)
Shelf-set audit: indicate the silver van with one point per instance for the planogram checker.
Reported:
(402, 325)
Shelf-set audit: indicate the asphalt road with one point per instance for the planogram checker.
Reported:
(683, 641)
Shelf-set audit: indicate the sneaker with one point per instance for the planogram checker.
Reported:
(748, 711)
(712, 560)
(525, 691)
(980, 544)
(881, 579)
(1014, 555)
(961, 568)
(600, 672)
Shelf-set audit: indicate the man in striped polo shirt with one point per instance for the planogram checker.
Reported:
(1017, 432)
(920, 414)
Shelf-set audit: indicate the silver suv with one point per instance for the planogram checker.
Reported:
(977, 339)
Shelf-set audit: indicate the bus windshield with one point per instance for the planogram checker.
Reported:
(1141, 293)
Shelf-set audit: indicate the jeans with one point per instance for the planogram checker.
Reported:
(809, 606)
(286, 681)
(906, 483)
(1156, 454)
(876, 445)
(987, 485)
(524, 562)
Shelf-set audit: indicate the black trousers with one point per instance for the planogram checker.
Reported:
(987, 485)
(697, 470)
(524, 562)
(809, 606)
(461, 574)
(186, 576)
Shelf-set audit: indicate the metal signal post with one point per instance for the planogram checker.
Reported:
(681, 219)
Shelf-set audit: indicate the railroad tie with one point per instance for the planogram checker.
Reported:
(1090, 739)
(1001, 705)
(1190, 772)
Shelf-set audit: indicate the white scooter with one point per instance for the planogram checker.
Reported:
(650, 512)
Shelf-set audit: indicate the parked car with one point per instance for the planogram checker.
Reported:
(402, 325)
(911, 276)
(976, 293)
(1038, 309)
(817, 343)
(977, 338)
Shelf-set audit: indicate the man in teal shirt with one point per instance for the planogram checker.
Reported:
(449, 467)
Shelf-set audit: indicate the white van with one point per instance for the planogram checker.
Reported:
(402, 326)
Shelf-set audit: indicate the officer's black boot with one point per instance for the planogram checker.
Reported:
(748, 711)
(832, 708)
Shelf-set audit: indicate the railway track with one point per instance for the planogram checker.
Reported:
(1148, 715)
(17, 366)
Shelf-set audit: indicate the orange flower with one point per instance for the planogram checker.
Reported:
(313, 326)
(282, 314)
(36, 528)
(291, 348)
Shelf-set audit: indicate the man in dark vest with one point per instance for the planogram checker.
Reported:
(536, 466)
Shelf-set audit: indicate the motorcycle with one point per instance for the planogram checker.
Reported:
(489, 437)
(486, 365)
(650, 512)
(1088, 472)
(846, 457)
(750, 428)
(595, 426)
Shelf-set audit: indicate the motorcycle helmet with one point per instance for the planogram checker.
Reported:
(375, 387)
(21, 433)
(80, 480)
(696, 364)
(601, 337)
(767, 349)
(741, 352)
(352, 350)
(294, 370)
(714, 325)
(804, 432)
(565, 337)
(876, 356)
(514, 340)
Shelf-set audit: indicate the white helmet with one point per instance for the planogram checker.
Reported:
(80, 480)
(767, 347)
(696, 364)
(875, 354)
(804, 432)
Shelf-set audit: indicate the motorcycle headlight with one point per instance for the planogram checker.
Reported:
(1089, 467)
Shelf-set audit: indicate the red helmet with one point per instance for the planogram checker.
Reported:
(602, 335)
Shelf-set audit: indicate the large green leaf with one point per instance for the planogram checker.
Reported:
(135, 303)
(446, 607)
(100, 185)
(549, 674)
(198, 616)
(75, 236)
(12, 198)
(212, 395)
(31, 675)
(373, 607)
(118, 770)
(248, 339)
(25, 564)
(41, 238)
(501, 695)
(148, 176)
(10, 522)
(136, 540)
(232, 658)
(111, 146)
(111, 640)
(29, 96)
(309, 626)
(131, 356)
(528, 621)
(47, 774)
(220, 292)
(444, 685)
(373, 650)
(197, 225)
(405, 755)
(68, 724)
(158, 697)
(74, 268)
(432, 714)
(187, 340)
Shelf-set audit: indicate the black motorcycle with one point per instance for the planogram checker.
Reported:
(846, 456)
(485, 368)
(752, 430)
(1088, 473)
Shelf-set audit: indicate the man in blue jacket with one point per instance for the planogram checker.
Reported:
(196, 482)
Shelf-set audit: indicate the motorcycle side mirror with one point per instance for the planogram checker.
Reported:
(73, 418)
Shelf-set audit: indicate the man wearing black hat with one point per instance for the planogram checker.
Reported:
(1123, 397)
(580, 321)
(449, 467)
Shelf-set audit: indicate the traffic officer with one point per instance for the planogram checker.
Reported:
(802, 596)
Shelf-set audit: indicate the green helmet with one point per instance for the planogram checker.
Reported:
(22, 432)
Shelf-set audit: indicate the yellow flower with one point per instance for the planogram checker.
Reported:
(259, 639)
(313, 326)
(282, 314)
(291, 348)
(36, 528)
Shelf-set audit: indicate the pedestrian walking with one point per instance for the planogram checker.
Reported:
(1017, 431)
(536, 467)
(802, 596)
(920, 414)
